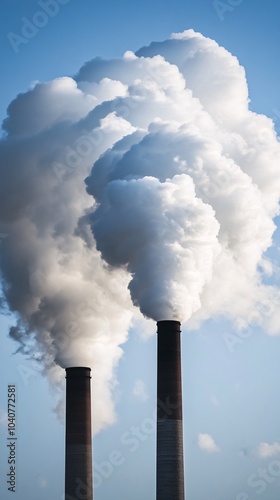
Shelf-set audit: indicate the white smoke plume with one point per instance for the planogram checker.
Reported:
(186, 203)
(182, 189)
(72, 309)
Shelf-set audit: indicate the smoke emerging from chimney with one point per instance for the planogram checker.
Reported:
(182, 187)
(186, 202)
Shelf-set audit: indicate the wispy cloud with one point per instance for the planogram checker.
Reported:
(266, 450)
(207, 443)
(139, 390)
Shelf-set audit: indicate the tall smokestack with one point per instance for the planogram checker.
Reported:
(78, 466)
(170, 460)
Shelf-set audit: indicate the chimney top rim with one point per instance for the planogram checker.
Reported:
(168, 326)
(78, 371)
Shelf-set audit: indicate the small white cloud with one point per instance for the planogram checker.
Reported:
(207, 443)
(139, 390)
(266, 450)
(129, 55)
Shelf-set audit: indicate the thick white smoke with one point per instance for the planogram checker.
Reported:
(71, 308)
(182, 189)
(186, 202)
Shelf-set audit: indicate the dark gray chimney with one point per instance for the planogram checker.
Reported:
(170, 460)
(78, 453)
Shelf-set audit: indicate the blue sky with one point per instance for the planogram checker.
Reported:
(231, 387)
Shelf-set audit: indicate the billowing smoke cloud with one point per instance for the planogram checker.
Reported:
(182, 187)
(72, 309)
(186, 202)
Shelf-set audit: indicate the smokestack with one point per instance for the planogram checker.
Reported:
(170, 460)
(78, 466)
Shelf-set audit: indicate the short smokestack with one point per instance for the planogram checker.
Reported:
(78, 463)
(170, 460)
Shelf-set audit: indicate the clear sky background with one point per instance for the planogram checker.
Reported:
(231, 391)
